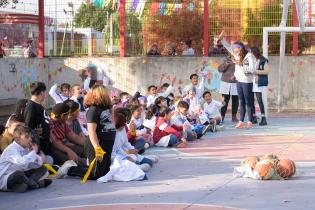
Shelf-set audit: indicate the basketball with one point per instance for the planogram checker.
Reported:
(251, 161)
(265, 168)
(286, 168)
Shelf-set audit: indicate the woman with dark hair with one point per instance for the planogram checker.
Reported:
(228, 88)
(244, 69)
(260, 83)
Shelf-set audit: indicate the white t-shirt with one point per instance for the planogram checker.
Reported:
(212, 109)
(189, 51)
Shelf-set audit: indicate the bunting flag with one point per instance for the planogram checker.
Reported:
(140, 7)
(191, 6)
(177, 6)
(162, 8)
(99, 3)
(154, 8)
(134, 6)
(169, 8)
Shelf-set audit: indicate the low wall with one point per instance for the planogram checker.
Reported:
(131, 73)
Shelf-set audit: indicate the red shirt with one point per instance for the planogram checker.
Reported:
(163, 128)
(59, 131)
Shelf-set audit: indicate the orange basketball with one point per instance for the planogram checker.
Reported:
(286, 168)
(265, 168)
(251, 161)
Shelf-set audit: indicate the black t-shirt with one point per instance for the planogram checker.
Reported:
(104, 120)
(36, 117)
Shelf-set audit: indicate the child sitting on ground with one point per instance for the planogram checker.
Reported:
(150, 118)
(7, 137)
(165, 134)
(66, 144)
(180, 118)
(212, 109)
(63, 95)
(154, 93)
(77, 96)
(122, 149)
(73, 121)
(21, 167)
(142, 137)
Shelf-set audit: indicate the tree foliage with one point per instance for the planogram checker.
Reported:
(89, 16)
(180, 26)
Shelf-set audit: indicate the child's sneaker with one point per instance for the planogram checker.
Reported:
(63, 170)
(239, 125)
(214, 126)
(146, 145)
(249, 125)
(44, 183)
(145, 167)
(181, 144)
(205, 129)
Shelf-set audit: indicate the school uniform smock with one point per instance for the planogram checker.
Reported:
(17, 158)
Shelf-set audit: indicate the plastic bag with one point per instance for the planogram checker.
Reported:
(123, 170)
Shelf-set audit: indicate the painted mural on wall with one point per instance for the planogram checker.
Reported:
(209, 69)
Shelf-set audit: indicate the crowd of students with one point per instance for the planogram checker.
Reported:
(86, 125)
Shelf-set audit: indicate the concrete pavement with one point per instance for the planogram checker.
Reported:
(200, 176)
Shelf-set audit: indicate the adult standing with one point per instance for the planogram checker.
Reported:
(91, 77)
(228, 87)
(244, 69)
(260, 83)
(101, 129)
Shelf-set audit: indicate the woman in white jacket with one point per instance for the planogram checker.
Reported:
(244, 69)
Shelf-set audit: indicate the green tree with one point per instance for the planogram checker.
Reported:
(89, 16)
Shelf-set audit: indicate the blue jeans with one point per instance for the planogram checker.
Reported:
(139, 145)
(173, 140)
(146, 160)
(245, 96)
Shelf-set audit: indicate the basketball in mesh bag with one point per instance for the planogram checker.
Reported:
(251, 161)
(272, 158)
(286, 168)
(265, 168)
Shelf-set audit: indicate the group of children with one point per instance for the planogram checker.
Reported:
(87, 129)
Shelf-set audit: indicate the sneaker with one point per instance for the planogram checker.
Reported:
(146, 145)
(154, 158)
(63, 170)
(239, 125)
(44, 176)
(255, 121)
(44, 183)
(145, 167)
(20, 188)
(214, 126)
(205, 129)
(219, 127)
(263, 121)
(249, 125)
(181, 144)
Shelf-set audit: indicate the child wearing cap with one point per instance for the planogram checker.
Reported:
(73, 121)
(66, 144)
(21, 167)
